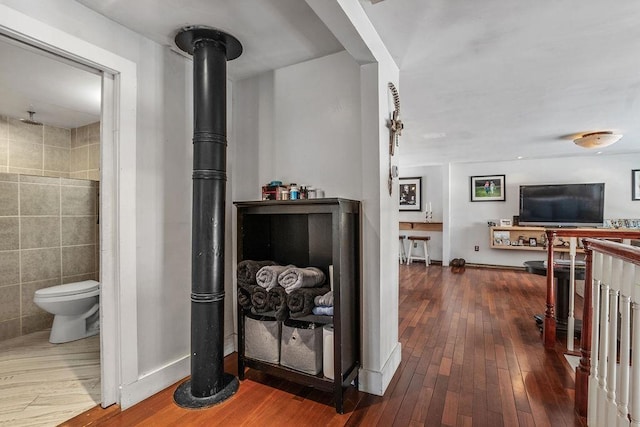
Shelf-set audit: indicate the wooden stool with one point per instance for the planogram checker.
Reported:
(403, 252)
(425, 241)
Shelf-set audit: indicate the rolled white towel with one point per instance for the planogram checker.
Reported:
(267, 276)
(325, 300)
(295, 278)
(322, 311)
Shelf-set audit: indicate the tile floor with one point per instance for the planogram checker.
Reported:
(44, 384)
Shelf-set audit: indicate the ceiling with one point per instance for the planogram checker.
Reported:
(60, 93)
(479, 81)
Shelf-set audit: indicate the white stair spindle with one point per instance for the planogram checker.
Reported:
(572, 291)
(612, 357)
(634, 395)
(604, 343)
(622, 395)
(612, 366)
(594, 376)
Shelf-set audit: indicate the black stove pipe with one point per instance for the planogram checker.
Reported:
(211, 49)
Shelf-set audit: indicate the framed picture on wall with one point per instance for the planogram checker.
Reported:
(488, 188)
(410, 194)
(635, 184)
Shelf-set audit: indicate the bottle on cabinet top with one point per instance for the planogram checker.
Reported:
(294, 192)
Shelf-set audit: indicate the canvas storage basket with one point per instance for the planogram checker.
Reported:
(262, 338)
(301, 346)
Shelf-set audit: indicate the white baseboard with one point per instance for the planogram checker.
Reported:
(230, 344)
(152, 382)
(376, 382)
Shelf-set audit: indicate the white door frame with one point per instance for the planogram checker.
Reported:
(118, 310)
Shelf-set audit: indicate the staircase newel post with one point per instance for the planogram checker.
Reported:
(584, 368)
(550, 313)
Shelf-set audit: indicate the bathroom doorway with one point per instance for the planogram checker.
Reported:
(118, 291)
(50, 116)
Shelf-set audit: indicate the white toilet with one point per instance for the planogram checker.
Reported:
(75, 306)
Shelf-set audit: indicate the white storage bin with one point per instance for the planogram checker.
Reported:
(327, 351)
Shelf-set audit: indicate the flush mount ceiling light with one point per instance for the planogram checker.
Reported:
(597, 139)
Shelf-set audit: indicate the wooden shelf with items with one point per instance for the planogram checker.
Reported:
(524, 239)
(324, 233)
(518, 238)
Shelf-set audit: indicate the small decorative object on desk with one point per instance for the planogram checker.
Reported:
(505, 223)
(533, 241)
(429, 213)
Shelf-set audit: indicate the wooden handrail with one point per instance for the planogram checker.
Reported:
(626, 253)
(607, 233)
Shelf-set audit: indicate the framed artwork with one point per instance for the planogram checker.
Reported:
(635, 184)
(410, 194)
(488, 188)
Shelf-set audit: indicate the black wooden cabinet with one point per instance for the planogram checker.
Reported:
(319, 233)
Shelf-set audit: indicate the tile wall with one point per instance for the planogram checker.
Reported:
(48, 236)
(85, 152)
(48, 150)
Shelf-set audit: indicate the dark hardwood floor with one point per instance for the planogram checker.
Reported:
(471, 356)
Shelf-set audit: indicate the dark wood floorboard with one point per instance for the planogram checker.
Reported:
(471, 356)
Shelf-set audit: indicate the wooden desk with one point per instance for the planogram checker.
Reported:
(421, 226)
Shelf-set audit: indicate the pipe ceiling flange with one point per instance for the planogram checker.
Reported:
(188, 36)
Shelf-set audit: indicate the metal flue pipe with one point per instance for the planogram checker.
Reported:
(211, 49)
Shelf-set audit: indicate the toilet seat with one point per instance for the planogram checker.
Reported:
(86, 288)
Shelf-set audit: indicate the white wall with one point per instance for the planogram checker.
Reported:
(248, 151)
(163, 190)
(319, 123)
(432, 191)
(381, 352)
(317, 117)
(300, 124)
(468, 220)
(351, 165)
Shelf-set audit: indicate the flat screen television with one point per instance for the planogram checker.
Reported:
(562, 205)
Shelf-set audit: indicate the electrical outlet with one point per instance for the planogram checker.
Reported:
(476, 248)
(415, 244)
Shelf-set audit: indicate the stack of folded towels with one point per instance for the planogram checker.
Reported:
(323, 304)
(246, 273)
(287, 290)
